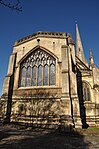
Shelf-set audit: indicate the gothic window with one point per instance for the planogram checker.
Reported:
(38, 69)
(86, 92)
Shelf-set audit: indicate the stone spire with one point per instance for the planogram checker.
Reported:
(79, 47)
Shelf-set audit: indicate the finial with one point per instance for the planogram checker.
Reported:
(70, 40)
(91, 57)
(76, 22)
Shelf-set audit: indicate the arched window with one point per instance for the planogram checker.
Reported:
(86, 92)
(38, 69)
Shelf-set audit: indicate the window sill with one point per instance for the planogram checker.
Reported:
(39, 87)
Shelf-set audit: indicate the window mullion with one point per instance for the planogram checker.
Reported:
(26, 77)
(42, 75)
(31, 76)
(48, 75)
(36, 76)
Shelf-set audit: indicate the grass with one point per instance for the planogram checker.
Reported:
(90, 130)
(93, 128)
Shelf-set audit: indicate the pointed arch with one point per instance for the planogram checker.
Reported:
(40, 68)
(35, 48)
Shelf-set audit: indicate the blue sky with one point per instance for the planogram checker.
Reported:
(49, 15)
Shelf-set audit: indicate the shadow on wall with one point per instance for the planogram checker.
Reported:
(81, 102)
(14, 137)
(42, 110)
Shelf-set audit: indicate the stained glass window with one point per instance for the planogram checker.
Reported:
(38, 69)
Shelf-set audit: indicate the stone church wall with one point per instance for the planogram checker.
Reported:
(51, 106)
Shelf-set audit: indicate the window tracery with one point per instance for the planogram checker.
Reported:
(38, 69)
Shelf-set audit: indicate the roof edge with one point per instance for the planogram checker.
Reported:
(40, 34)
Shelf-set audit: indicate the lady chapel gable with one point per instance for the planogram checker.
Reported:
(50, 84)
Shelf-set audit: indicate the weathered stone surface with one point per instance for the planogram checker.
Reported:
(67, 102)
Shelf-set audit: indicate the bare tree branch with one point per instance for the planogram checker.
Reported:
(14, 6)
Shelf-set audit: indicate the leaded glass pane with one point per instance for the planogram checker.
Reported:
(34, 71)
(86, 92)
(52, 74)
(40, 75)
(23, 76)
(28, 77)
(46, 75)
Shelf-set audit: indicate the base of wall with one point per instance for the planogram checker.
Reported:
(45, 113)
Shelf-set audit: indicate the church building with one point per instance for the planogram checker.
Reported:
(49, 83)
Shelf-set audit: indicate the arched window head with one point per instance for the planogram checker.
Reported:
(86, 92)
(38, 69)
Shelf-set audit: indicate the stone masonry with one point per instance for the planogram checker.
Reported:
(68, 91)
